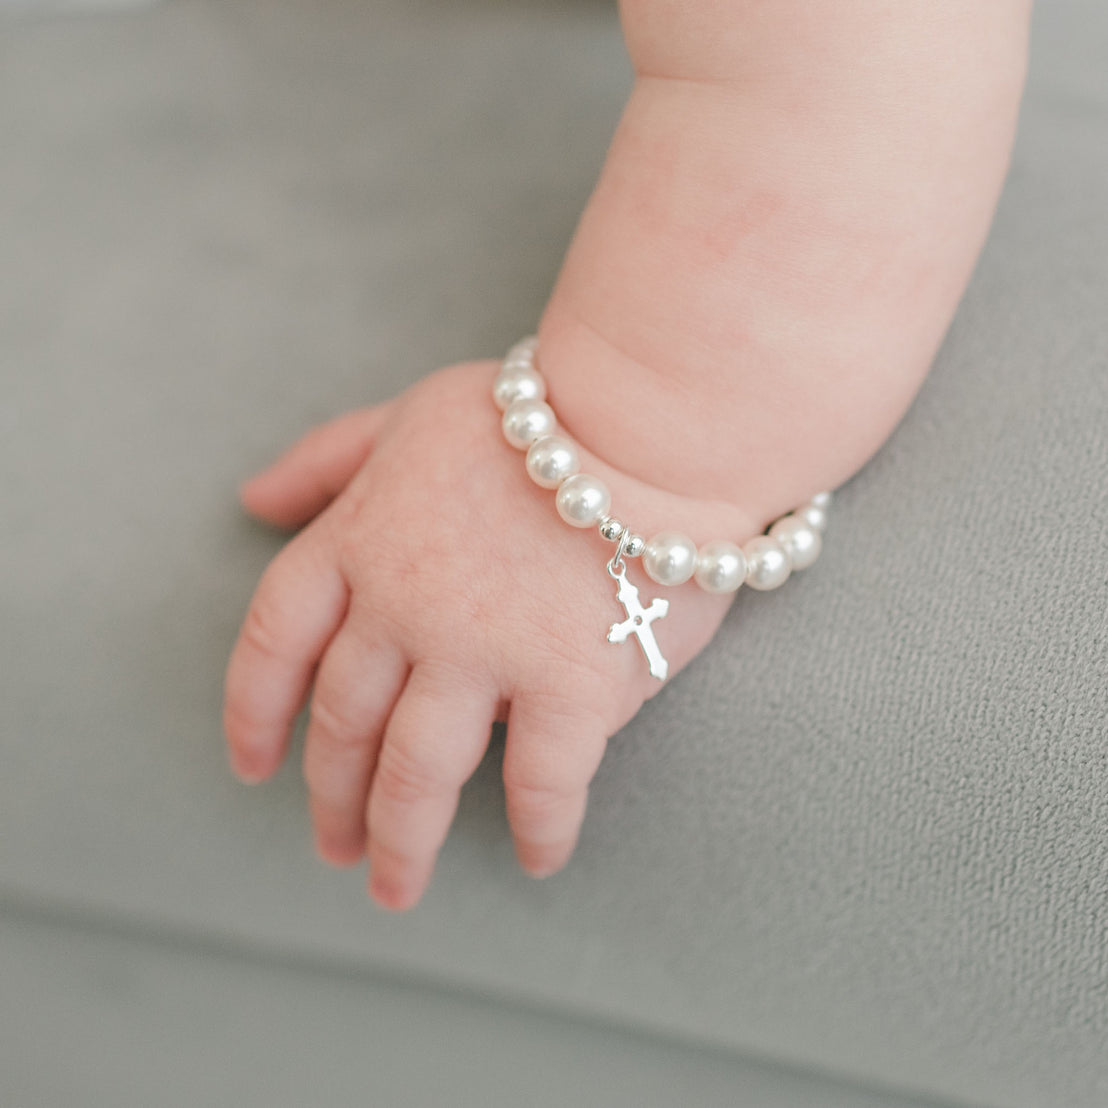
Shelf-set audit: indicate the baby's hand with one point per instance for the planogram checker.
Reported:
(434, 591)
(755, 292)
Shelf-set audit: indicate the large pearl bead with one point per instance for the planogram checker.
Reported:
(527, 420)
(551, 460)
(669, 558)
(720, 566)
(801, 541)
(518, 383)
(814, 515)
(582, 500)
(767, 564)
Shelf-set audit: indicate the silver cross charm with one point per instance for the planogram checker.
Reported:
(638, 621)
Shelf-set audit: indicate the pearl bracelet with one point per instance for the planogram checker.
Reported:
(670, 558)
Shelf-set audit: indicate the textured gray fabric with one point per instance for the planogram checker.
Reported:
(161, 1020)
(863, 833)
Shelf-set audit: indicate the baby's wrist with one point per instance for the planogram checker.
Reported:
(675, 445)
(733, 554)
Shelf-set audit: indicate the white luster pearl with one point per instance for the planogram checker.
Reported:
(720, 566)
(551, 460)
(524, 350)
(527, 420)
(767, 564)
(582, 500)
(669, 558)
(517, 362)
(518, 383)
(801, 541)
(814, 515)
(821, 500)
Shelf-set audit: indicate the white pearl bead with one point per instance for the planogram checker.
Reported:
(669, 558)
(583, 500)
(813, 515)
(720, 566)
(550, 460)
(527, 420)
(767, 564)
(518, 362)
(821, 500)
(801, 541)
(518, 383)
(524, 350)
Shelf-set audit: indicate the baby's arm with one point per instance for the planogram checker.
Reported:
(788, 215)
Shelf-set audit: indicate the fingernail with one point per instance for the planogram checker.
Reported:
(541, 873)
(246, 775)
(339, 855)
(390, 897)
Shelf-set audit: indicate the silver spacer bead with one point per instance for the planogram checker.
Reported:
(634, 546)
(611, 529)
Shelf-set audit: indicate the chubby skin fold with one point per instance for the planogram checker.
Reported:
(788, 215)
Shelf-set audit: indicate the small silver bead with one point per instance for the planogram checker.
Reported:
(767, 564)
(635, 546)
(801, 541)
(813, 515)
(517, 383)
(527, 420)
(611, 529)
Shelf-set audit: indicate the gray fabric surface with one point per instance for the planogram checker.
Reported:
(161, 1020)
(864, 833)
